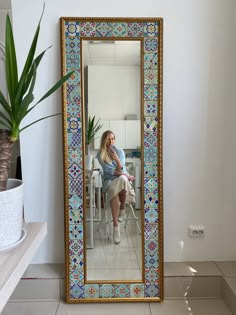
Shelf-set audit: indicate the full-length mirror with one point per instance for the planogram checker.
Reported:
(112, 107)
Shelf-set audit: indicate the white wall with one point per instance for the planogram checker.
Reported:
(197, 110)
(103, 93)
(230, 136)
(233, 115)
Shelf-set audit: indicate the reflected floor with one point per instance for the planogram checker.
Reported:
(115, 261)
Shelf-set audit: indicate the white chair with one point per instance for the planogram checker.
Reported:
(107, 218)
(90, 201)
(93, 187)
(130, 208)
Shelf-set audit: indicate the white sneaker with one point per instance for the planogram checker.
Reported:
(121, 215)
(116, 234)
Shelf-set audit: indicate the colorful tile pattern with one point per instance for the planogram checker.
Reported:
(104, 29)
(151, 215)
(72, 29)
(150, 76)
(92, 291)
(150, 108)
(149, 31)
(122, 290)
(135, 29)
(120, 30)
(150, 192)
(150, 61)
(72, 45)
(150, 92)
(150, 45)
(88, 29)
(76, 247)
(106, 291)
(137, 290)
(75, 185)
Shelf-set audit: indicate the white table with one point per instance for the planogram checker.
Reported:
(14, 261)
(94, 183)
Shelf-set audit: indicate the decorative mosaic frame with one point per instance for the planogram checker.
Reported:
(149, 32)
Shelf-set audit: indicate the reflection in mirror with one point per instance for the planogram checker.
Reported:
(112, 93)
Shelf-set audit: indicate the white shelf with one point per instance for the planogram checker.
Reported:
(14, 261)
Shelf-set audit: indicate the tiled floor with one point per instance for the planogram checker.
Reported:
(115, 262)
(184, 273)
(167, 307)
(191, 288)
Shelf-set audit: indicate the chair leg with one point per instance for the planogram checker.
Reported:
(107, 224)
(100, 224)
(105, 220)
(134, 217)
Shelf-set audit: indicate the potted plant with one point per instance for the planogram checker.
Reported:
(14, 107)
(92, 128)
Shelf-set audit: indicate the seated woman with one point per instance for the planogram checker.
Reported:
(116, 178)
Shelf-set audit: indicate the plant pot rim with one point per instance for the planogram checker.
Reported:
(18, 184)
(15, 180)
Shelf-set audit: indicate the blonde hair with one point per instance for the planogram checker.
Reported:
(104, 153)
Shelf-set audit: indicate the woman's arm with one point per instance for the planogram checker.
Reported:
(119, 157)
(130, 177)
(108, 168)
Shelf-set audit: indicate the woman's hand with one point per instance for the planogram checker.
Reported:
(113, 155)
(131, 178)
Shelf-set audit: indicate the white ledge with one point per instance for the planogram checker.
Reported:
(13, 262)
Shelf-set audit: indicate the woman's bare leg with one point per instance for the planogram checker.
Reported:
(122, 197)
(115, 207)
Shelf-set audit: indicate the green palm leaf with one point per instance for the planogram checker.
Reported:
(56, 86)
(21, 91)
(36, 62)
(4, 124)
(34, 122)
(30, 58)
(28, 99)
(6, 119)
(10, 62)
(92, 129)
(5, 104)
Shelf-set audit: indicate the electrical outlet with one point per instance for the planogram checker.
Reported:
(196, 231)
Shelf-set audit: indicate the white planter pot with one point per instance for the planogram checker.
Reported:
(11, 213)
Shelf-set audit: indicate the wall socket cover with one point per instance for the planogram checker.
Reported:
(196, 230)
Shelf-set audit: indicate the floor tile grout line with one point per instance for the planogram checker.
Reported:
(218, 267)
(58, 306)
(222, 276)
(128, 234)
(229, 285)
(150, 308)
(153, 309)
(135, 250)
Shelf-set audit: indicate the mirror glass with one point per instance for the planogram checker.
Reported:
(112, 86)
